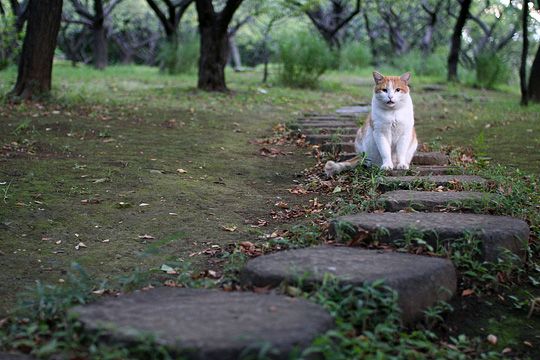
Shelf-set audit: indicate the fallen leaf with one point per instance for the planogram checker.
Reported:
(467, 292)
(181, 171)
(282, 205)
(80, 245)
(146, 237)
(169, 270)
(229, 228)
(144, 204)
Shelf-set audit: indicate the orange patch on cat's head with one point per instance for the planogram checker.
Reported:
(398, 82)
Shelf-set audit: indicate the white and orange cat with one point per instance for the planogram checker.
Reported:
(387, 138)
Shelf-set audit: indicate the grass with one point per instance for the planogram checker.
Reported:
(98, 164)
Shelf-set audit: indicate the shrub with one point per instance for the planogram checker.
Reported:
(180, 58)
(353, 56)
(491, 70)
(9, 41)
(303, 57)
(432, 65)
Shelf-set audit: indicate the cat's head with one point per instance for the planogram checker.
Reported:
(390, 91)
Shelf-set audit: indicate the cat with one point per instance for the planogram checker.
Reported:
(388, 137)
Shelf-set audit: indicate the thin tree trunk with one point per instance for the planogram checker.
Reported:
(372, 45)
(35, 65)
(534, 79)
(524, 52)
(455, 47)
(235, 54)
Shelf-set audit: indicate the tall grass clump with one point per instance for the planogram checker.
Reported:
(491, 70)
(354, 55)
(303, 58)
(181, 57)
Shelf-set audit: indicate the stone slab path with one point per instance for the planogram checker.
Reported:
(354, 110)
(420, 281)
(12, 356)
(208, 324)
(433, 200)
(406, 182)
(494, 232)
(420, 158)
(422, 170)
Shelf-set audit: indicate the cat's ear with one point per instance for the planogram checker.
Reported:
(378, 77)
(406, 77)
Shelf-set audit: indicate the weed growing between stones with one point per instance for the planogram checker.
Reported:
(368, 326)
(42, 326)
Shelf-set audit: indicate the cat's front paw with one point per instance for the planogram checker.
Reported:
(402, 166)
(387, 166)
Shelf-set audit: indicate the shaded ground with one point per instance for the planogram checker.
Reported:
(102, 167)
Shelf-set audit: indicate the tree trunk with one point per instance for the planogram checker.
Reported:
(35, 65)
(455, 47)
(524, 52)
(213, 58)
(100, 47)
(372, 45)
(534, 79)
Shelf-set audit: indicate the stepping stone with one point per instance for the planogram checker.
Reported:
(494, 232)
(431, 200)
(430, 158)
(342, 130)
(419, 280)
(423, 170)
(451, 181)
(327, 124)
(208, 324)
(347, 147)
(420, 158)
(15, 356)
(354, 110)
(323, 138)
(328, 118)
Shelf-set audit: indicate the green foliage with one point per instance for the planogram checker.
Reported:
(433, 64)
(368, 326)
(10, 40)
(491, 70)
(181, 58)
(354, 55)
(303, 57)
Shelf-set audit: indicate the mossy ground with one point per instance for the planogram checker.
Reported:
(77, 168)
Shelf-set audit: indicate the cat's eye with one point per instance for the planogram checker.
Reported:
(384, 90)
(398, 90)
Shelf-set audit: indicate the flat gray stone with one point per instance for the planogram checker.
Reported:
(434, 200)
(430, 158)
(419, 280)
(327, 124)
(347, 147)
(208, 324)
(354, 110)
(420, 158)
(15, 356)
(422, 170)
(494, 232)
(451, 181)
(324, 138)
(319, 131)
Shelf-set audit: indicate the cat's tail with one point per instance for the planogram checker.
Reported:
(331, 167)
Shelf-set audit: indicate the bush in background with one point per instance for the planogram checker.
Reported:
(354, 55)
(180, 58)
(10, 41)
(303, 58)
(491, 70)
(433, 64)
